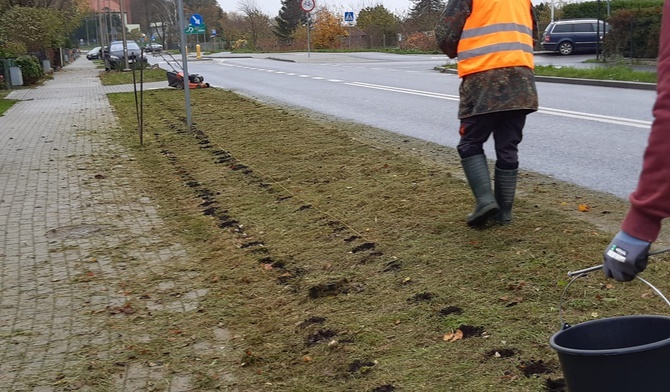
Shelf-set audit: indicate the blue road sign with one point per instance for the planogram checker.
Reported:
(348, 16)
(196, 20)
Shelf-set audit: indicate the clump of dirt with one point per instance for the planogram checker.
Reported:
(533, 367)
(384, 388)
(329, 289)
(359, 366)
(422, 297)
(502, 353)
(450, 310)
(470, 331)
(557, 385)
(320, 336)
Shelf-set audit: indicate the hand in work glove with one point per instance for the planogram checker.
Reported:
(625, 257)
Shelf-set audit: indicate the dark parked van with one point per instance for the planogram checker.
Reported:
(573, 35)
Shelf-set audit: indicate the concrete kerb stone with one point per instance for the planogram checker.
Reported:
(578, 81)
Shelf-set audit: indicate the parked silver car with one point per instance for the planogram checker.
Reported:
(154, 48)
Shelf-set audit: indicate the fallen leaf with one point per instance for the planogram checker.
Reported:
(452, 337)
(306, 358)
(584, 208)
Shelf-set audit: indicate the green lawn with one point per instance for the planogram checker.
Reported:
(615, 72)
(118, 77)
(5, 104)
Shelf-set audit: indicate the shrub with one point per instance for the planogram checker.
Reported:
(31, 69)
(240, 44)
(634, 33)
(421, 41)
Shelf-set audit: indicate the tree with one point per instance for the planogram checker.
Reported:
(424, 14)
(377, 22)
(41, 28)
(290, 16)
(328, 31)
(234, 25)
(257, 22)
(210, 11)
(157, 17)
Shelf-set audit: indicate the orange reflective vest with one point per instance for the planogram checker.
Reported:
(497, 34)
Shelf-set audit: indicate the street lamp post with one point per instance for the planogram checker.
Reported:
(101, 39)
(88, 41)
(110, 27)
(123, 35)
(598, 31)
(184, 60)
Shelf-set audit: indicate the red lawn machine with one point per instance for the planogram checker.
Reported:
(175, 77)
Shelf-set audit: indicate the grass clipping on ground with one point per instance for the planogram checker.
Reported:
(338, 257)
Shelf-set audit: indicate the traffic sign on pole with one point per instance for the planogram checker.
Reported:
(348, 16)
(307, 5)
(196, 20)
(195, 29)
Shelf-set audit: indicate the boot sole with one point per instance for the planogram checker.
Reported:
(487, 213)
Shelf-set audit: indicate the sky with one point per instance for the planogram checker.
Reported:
(272, 7)
(399, 7)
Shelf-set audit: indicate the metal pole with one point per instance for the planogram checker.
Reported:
(123, 36)
(309, 27)
(97, 37)
(184, 58)
(598, 32)
(102, 32)
(111, 24)
(552, 10)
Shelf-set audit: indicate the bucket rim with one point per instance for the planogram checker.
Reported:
(612, 351)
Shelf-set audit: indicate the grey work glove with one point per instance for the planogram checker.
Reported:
(625, 257)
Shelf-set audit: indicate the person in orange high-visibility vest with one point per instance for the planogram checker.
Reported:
(493, 41)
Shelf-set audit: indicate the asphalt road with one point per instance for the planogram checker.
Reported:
(588, 135)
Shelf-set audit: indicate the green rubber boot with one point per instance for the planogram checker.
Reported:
(477, 172)
(505, 187)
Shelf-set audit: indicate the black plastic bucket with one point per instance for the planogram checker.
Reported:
(618, 354)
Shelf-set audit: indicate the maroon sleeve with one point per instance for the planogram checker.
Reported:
(650, 202)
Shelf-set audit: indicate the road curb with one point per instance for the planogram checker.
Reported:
(581, 82)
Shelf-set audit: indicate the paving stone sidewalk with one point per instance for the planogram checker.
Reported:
(66, 201)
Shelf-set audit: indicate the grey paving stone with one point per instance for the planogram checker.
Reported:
(54, 215)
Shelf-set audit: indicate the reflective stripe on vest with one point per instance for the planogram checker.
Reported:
(497, 34)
